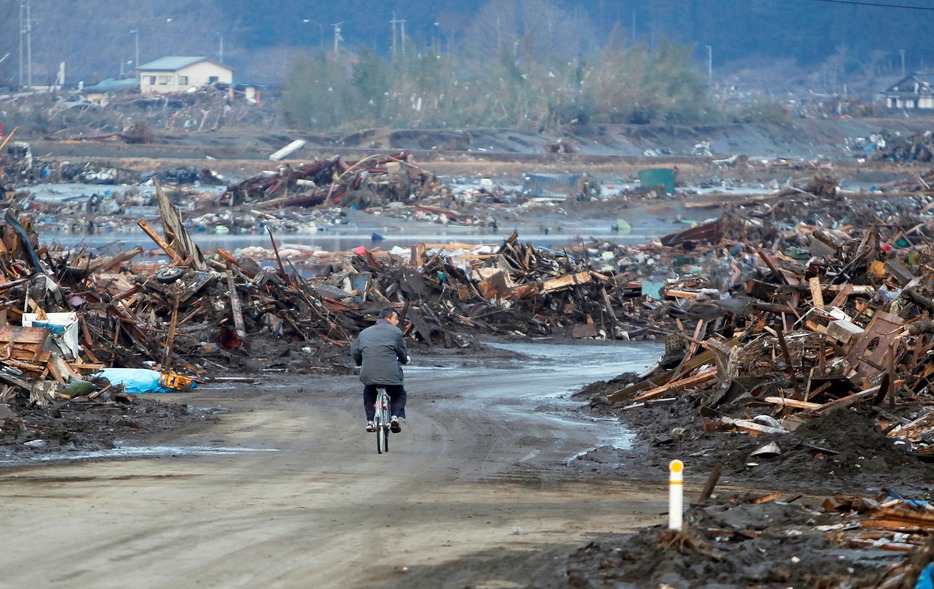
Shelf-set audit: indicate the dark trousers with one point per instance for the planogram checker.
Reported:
(396, 394)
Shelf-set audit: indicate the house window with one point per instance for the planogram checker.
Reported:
(152, 80)
(164, 80)
(183, 80)
(213, 79)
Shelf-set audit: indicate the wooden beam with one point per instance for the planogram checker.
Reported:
(817, 296)
(235, 306)
(792, 403)
(170, 339)
(678, 385)
(118, 259)
(567, 281)
(275, 249)
(147, 228)
(851, 399)
(752, 427)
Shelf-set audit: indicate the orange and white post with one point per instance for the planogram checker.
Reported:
(675, 494)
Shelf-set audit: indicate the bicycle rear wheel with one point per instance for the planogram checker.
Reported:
(382, 422)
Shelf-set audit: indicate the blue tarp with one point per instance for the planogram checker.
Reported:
(926, 579)
(136, 380)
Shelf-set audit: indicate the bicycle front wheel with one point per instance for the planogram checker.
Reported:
(382, 438)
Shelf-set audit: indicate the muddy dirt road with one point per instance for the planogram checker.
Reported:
(287, 490)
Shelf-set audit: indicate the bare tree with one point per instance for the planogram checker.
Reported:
(534, 29)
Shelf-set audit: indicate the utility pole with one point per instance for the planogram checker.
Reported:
(337, 37)
(902, 51)
(402, 37)
(28, 44)
(320, 31)
(710, 66)
(22, 31)
(220, 52)
(136, 57)
(633, 27)
(395, 21)
(393, 24)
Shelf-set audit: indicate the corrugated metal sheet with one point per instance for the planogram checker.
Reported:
(552, 185)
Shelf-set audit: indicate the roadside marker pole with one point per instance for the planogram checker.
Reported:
(675, 494)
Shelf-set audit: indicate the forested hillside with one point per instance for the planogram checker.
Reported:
(97, 40)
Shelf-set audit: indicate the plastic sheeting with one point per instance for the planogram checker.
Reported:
(136, 380)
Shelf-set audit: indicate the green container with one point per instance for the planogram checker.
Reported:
(651, 179)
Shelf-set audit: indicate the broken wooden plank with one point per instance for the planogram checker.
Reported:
(235, 308)
(851, 399)
(113, 262)
(23, 335)
(147, 228)
(900, 520)
(567, 281)
(880, 545)
(817, 295)
(176, 234)
(678, 385)
(56, 373)
(793, 403)
(681, 294)
(170, 339)
(632, 390)
(752, 427)
(608, 305)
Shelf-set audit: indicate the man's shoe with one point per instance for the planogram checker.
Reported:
(394, 426)
(370, 426)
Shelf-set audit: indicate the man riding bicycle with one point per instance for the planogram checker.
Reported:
(380, 351)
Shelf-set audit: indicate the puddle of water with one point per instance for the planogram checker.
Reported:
(566, 368)
(574, 365)
(338, 240)
(136, 452)
(543, 381)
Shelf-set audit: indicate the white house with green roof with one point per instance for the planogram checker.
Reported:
(180, 73)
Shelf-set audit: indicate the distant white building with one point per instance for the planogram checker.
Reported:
(915, 91)
(179, 73)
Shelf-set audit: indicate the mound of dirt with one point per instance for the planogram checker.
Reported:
(28, 431)
(743, 556)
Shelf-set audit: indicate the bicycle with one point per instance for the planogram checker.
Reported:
(382, 420)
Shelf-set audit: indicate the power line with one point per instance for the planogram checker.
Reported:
(878, 4)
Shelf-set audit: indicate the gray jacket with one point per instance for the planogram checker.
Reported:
(380, 351)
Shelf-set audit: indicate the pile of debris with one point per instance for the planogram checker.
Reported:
(914, 148)
(831, 311)
(198, 314)
(452, 293)
(809, 364)
(373, 181)
(795, 335)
